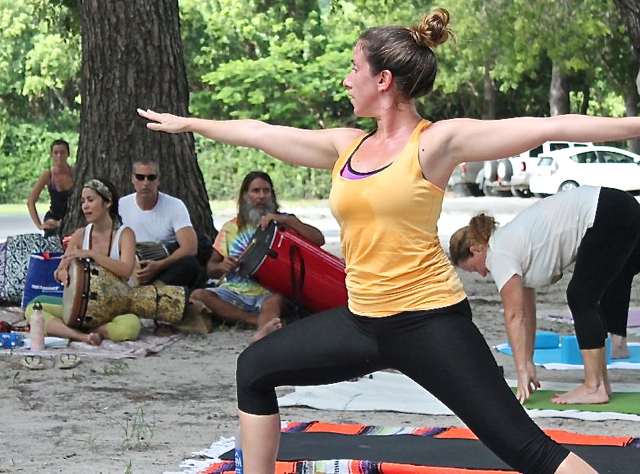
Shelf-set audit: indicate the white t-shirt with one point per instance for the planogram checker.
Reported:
(159, 224)
(542, 241)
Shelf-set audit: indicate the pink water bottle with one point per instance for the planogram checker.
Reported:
(36, 334)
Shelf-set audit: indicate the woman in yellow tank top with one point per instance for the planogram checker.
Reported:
(407, 309)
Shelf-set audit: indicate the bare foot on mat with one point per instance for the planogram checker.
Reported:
(582, 394)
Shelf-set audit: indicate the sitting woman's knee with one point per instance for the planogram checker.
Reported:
(125, 327)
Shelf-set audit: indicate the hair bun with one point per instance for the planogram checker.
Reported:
(432, 30)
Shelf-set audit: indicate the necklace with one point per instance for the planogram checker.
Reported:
(110, 239)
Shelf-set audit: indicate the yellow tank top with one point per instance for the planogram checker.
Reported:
(389, 236)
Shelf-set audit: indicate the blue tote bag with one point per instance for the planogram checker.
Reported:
(39, 279)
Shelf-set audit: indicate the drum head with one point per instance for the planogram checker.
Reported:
(257, 250)
(74, 303)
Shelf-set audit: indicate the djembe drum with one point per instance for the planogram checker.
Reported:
(94, 296)
(286, 263)
(154, 250)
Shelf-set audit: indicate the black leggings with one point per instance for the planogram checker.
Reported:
(442, 350)
(607, 260)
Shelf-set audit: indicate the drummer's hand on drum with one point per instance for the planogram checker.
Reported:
(264, 221)
(148, 271)
(228, 264)
(61, 276)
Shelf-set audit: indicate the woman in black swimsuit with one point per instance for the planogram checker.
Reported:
(58, 179)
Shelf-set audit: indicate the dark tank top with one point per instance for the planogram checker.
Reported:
(58, 205)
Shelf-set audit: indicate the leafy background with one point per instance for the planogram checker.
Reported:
(284, 61)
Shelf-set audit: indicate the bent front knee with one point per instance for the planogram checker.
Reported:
(256, 395)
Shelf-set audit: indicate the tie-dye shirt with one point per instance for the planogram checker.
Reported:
(232, 242)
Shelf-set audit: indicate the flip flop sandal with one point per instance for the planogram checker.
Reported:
(32, 362)
(68, 361)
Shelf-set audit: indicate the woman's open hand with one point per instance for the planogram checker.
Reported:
(163, 122)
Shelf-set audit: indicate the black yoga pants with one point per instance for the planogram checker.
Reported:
(442, 350)
(608, 258)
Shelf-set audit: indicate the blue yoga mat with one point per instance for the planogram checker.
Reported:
(553, 355)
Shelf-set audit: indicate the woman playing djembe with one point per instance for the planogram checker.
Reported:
(110, 245)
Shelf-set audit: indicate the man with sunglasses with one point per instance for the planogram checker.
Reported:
(158, 217)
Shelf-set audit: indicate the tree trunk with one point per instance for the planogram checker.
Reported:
(631, 105)
(559, 91)
(586, 97)
(630, 13)
(490, 102)
(132, 57)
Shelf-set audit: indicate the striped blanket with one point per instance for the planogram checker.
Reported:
(458, 444)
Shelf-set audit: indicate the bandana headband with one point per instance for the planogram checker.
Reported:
(99, 187)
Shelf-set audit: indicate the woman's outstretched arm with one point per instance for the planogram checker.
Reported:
(310, 148)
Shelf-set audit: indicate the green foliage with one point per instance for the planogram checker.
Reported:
(224, 167)
(24, 154)
(517, 40)
(50, 64)
(39, 65)
(284, 61)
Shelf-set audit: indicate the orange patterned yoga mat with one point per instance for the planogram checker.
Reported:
(626, 445)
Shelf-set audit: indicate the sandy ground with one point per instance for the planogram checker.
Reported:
(146, 415)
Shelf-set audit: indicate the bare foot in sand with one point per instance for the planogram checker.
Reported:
(583, 394)
(267, 328)
(94, 339)
(619, 347)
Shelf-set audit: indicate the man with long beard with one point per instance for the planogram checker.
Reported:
(238, 299)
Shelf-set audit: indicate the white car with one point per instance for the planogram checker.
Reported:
(512, 175)
(569, 168)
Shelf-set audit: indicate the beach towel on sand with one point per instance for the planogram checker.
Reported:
(316, 447)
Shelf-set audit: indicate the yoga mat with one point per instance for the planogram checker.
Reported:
(632, 322)
(334, 448)
(550, 358)
(388, 391)
(620, 402)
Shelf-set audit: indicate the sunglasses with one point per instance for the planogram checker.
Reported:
(141, 177)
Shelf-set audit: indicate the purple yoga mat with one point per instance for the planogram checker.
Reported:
(632, 322)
